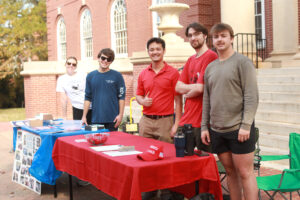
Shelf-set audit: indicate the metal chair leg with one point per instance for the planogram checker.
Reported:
(54, 191)
(222, 179)
(70, 187)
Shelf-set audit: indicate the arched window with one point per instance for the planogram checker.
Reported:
(61, 40)
(86, 36)
(156, 18)
(119, 28)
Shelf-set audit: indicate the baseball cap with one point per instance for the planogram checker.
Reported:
(155, 152)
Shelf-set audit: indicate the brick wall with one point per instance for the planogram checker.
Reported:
(269, 25)
(40, 95)
(298, 22)
(128, 78)
(206, 12)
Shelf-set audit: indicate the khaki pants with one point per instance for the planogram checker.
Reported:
(158, 129)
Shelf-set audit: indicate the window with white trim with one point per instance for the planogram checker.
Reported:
(119, 28)
(260, 28)
(86, 35)
(61, 40)
(156, 18)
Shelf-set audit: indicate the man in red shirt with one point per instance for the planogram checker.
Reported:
(156, 93)
(191, 81)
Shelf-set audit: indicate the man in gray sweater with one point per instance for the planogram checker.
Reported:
(229, 105)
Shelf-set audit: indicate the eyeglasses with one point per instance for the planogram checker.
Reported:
(73, 64)
(195, 34)
(109, 59)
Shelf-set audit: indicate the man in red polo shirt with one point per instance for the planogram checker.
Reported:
(156, 93)
(190, 83)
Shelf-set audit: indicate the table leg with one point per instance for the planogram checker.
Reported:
(70, 187)
(54, 191)
(197, 187)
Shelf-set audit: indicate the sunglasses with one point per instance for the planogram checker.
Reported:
(105, 58)
(73, 64)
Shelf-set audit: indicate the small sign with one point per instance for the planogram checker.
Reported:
(26, 146)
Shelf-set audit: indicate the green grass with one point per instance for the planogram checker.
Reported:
(12, 114)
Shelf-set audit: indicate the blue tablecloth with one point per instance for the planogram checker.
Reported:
(42, 167)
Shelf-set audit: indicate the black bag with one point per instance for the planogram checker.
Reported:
(203, 196)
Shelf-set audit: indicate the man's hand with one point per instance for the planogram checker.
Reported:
(147, 101)
(83, 119)
(244, 135)
(205, 137)
(118, 120)
(173, 131)
(190, 94)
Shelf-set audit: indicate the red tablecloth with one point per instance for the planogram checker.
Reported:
(125, 177)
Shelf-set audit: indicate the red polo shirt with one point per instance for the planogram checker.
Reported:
(161, 88)
(193, 72)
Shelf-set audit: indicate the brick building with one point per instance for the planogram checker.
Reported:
(82, 27)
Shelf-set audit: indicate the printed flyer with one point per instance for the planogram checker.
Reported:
(26, 146)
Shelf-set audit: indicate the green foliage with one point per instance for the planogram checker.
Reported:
(23, 37)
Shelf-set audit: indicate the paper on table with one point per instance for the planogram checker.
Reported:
(80, 140)
(121, 153)
(107, 148)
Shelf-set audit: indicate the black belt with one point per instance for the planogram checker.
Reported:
(157, 116)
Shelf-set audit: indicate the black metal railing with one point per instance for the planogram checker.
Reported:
(249, 45)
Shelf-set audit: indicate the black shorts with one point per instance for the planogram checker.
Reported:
(77, 115)
(224, 142)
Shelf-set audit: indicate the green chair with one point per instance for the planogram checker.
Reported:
(289, 179)
(256, 161)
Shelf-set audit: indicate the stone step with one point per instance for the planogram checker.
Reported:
(277, 128)
(279, 71)
(269, 87)
(275, 116)
(279, 96)
(279, 106)
(279, 79)
(274, 141)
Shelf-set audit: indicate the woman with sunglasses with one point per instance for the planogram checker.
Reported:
(72, 86)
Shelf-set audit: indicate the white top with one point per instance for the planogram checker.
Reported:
(74, 87)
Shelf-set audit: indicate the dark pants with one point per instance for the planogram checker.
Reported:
(77, 115)
(110, 126)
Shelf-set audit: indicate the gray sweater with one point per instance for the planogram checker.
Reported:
(230, 94)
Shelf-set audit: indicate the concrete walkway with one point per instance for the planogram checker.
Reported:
(12, 190)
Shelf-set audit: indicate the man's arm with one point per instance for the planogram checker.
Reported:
(189, 90)
(86, 107)
(205, 115)
(178, 113)
(119, 117)
(250, 91)
(64, 104)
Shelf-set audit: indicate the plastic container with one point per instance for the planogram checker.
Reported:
(97, 138)
(71, 125)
